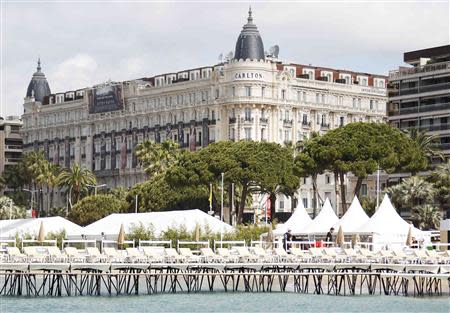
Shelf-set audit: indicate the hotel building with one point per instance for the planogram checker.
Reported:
(252, 95)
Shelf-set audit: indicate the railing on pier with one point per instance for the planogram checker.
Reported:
(155, 243)
(26, 242)
(228, 243)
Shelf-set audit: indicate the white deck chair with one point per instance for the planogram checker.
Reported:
(333, 255)
(262, 254)
(368, 255)
(55, 255)
(282, 256)
(245, 255)
(421, 256)
(318, 255)
(133, 255)
(94, 255)
(113, 255)
(225, 253)
(36, 253)
(172, 256)
(14, 255)
(73, 255)
(154, 254)
(208, 255)
(188, 256)
(301, 255)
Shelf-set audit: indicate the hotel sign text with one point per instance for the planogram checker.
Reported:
(248, 76)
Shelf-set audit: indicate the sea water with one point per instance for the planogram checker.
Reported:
(226, 302)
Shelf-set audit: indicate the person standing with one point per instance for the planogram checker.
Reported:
(286, 239)
(329, 237)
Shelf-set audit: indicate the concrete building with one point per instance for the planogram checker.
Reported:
(419, 95)
(10, 141)
(251, 95)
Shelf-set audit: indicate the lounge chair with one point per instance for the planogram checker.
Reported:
(262, 254)
(154, 254)
(135, 256)
(282, 256)
(172, 256)
(113, 255)
(244, 255)
(55, 255)
(94, 255)
(333, 255)
(14, 255)
(421, 256)
(301, 255)
(225, 253)
(73, 255)
(36, 253)
(208, 255)
(318, 255)
(188, 256)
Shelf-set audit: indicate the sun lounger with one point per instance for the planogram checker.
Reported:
(154, 254)
(262, 254)
(244, 255)
(94, 255)
(282, 256)
(332, 255)
(36, 253)
(55, 255)
(172, 256)
(113, 255)
(74, 255)
(225, 253)
(14, 255)
(209, 256)
(188, 256)
(368, 255)
(318, 255)
(301, 255)
(134, 255)
(421, 255)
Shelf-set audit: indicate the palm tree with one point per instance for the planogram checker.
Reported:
(156, 158)
(412, 192)
(426, 216)
(425, 142)
(49, 177)
(440, 178)
(77, 179)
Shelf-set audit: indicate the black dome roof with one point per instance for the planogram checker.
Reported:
(38, 86)
(249, 44)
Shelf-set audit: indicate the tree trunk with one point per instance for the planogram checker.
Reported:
(314, 204)
(230, 203)
(240, 213)
(344, 202)
(336, 191)
(358, 186)
(273, 200)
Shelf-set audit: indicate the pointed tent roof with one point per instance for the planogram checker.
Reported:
(387, 221)
(297, 222)
(354, 218)
(324, 221)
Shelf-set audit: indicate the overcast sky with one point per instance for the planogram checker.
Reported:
(81, 44)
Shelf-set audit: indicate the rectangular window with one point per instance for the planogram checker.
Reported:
(354, 103)
(281, 205)
(341, 121)
(305, 119)
(263, 92)
(317, 98)
(327, 179)
(248, 114)
(305, 202)
(217, 93)
(233, 91)
(248, 133)
(371, 104)
(248, 91)
(283, 94)
(213, 115)
(364, 189)
(263, 135)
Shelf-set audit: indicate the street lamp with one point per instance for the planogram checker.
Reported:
(31, 196)
(221, 205)
(96, 186)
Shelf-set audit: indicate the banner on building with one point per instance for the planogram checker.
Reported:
(106, 98)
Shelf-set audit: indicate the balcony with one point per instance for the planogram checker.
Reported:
(287, 123)
(247, 120)
(420, 69)
(263, 120)
(232, 120)
(325, 125)
(421, 108)
(306, 124)
(419, 89)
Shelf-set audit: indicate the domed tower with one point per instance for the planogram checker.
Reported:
(38, 86)
(249, 44)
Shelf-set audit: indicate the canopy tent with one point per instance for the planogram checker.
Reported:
(323, 221)
(159, 221)
(297, 222)
(387, 227)
(31, 226)
(354, 218)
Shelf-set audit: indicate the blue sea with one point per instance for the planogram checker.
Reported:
(226, 302)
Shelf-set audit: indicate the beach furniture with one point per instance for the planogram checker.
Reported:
(73, 255)
(262, 254)
(318, 255)
(226, 254)
(421, 255)
(134, 255)
(332, 255)
(36, 253)
(14, 255)
(282, 256)
(94, 255)
(368, 256)
(300, 255)
(244, 255)
(188, 256)
(172, 256)
(208, 255)
(55, 255)
(113, 255)
(154, 254)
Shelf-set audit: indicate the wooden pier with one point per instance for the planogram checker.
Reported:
(75, 279)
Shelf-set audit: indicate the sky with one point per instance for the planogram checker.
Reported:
(85, 43)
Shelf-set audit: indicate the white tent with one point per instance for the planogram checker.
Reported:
(159, 221)
(30, 226)
(323, 221)
(387, 227)
(354, 218)
(297, 222)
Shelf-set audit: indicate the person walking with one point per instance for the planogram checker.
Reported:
(286, 239)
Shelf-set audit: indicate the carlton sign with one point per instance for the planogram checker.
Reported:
(248, 76)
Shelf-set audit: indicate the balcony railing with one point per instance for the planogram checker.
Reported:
(421, 108)
(264, 120)
(325, 125)
(436, 127)
(232, 120)
(287, 122)
(248, 120)
(419, 69)
(306, 124)
(419, 89)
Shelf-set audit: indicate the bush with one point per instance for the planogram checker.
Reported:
(9, 208)
(93, 208)
(141, 232)
(59, 236)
